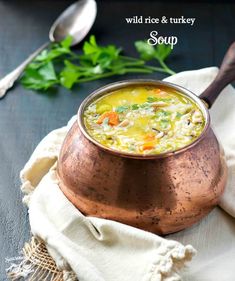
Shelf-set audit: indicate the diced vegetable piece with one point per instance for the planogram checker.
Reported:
(103, 108)
(147, 146)
(157, 91)
(112, 116)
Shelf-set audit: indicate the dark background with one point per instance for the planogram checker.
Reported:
(26, 117)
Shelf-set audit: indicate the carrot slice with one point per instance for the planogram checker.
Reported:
(111, 115)
(157, 91)
(160, 92)
(147, 146)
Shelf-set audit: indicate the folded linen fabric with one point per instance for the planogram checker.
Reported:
(98, 249)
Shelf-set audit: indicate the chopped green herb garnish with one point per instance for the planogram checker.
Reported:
(122, 108)
(152, 99)
(135, 106)
(155, 99)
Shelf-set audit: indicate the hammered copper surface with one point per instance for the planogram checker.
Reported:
(161, 195)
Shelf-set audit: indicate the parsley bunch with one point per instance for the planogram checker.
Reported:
(59, 65)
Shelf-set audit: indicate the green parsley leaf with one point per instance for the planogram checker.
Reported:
(149, 52)
(160, 52)
(90, 46)
(69, 75)
(66, 43)
(145, 50)
(39, 79)
(55, 51)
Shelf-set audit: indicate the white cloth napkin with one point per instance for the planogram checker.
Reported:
(98, 249)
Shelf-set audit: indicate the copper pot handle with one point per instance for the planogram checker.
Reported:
(225, 76)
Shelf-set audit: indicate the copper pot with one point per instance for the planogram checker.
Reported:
(161, 193)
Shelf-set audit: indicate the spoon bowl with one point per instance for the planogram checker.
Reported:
(76, 21)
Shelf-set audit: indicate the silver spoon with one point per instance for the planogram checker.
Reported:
(76, 21)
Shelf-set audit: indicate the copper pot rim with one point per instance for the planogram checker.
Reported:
(134, 82)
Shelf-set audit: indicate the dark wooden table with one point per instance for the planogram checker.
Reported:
(26, 117)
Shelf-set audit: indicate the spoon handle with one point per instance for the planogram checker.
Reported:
(225, 76)
(8, 81)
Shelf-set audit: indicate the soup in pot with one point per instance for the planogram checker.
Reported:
(144, 120)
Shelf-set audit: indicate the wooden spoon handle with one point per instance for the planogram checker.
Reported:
(225, 76)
